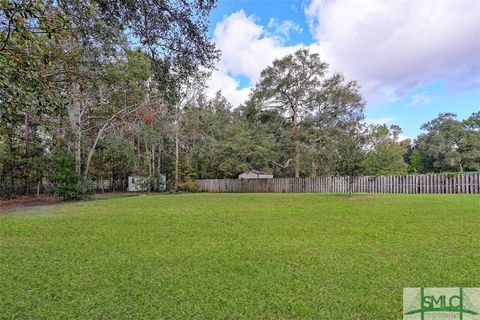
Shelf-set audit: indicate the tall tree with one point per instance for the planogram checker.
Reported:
(386, 154)
(31, 62)
(449, 144)
(298, 85)
(57, 59)
(188, 90)
(350, 154)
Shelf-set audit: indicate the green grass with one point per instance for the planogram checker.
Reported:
(236, 256)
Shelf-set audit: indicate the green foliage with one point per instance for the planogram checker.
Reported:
(298, 85)
(114, 157)
(157, 183)
(67, 70)
(416, 162)
(450, 174)
(351, 155)
(177, 30)
(188, 186)
(66, 183)
(450, 144)
(387, 153)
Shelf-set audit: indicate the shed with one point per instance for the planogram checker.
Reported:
(143, 183)
(255, 174)
(138, 183)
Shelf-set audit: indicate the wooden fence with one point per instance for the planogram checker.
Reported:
(468, 183)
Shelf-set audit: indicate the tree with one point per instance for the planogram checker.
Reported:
(205, 123)
(351, 154)
(416, 162)
(187, 91)
(66, 182)
(471, 148)
(386, 156)
(126, 85)
(70, 77)
(169, 30)
(449, 144)
(30, 93)
(298, 85)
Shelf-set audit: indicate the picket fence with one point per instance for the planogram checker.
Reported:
(467, 183)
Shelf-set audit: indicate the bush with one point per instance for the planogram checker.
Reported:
(66, 183)
(157, 184)
(189, 186)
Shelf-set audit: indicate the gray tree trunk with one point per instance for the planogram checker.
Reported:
(27, 152)
(297, 147)
(176, 154)
(75, 116)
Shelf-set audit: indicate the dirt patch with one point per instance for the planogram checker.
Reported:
(23, 202)
(358, 197)
(109, 195)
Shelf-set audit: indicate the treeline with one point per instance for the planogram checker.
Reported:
(93, 83)
(100, 90)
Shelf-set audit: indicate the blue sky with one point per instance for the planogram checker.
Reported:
(413, 59)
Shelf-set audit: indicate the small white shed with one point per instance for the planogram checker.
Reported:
(255, 174)
(138, 183)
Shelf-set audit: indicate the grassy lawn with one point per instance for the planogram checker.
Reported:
(235, 256)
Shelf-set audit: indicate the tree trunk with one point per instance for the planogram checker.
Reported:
(13, 167)
(176, 154)
(92, 149)
(58, 133)
(113, 175)
(78, 150)
(138, 154)
(350, 185)
(159, 159)
(100, 134)
(149, 163)
(154, 184)
(297, 145)
(75, 116)
(152, 160)
(27, 152)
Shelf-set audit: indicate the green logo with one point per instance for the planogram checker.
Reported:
(441, 303)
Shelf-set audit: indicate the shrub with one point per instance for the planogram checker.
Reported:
(66, 183)
(189, 186)
(157, 184)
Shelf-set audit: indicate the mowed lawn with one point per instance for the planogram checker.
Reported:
(235, 256)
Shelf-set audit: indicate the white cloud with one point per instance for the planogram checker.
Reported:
(421, 98)
(394, 46)
(283, 28)
(247, 48)
(229, 86)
